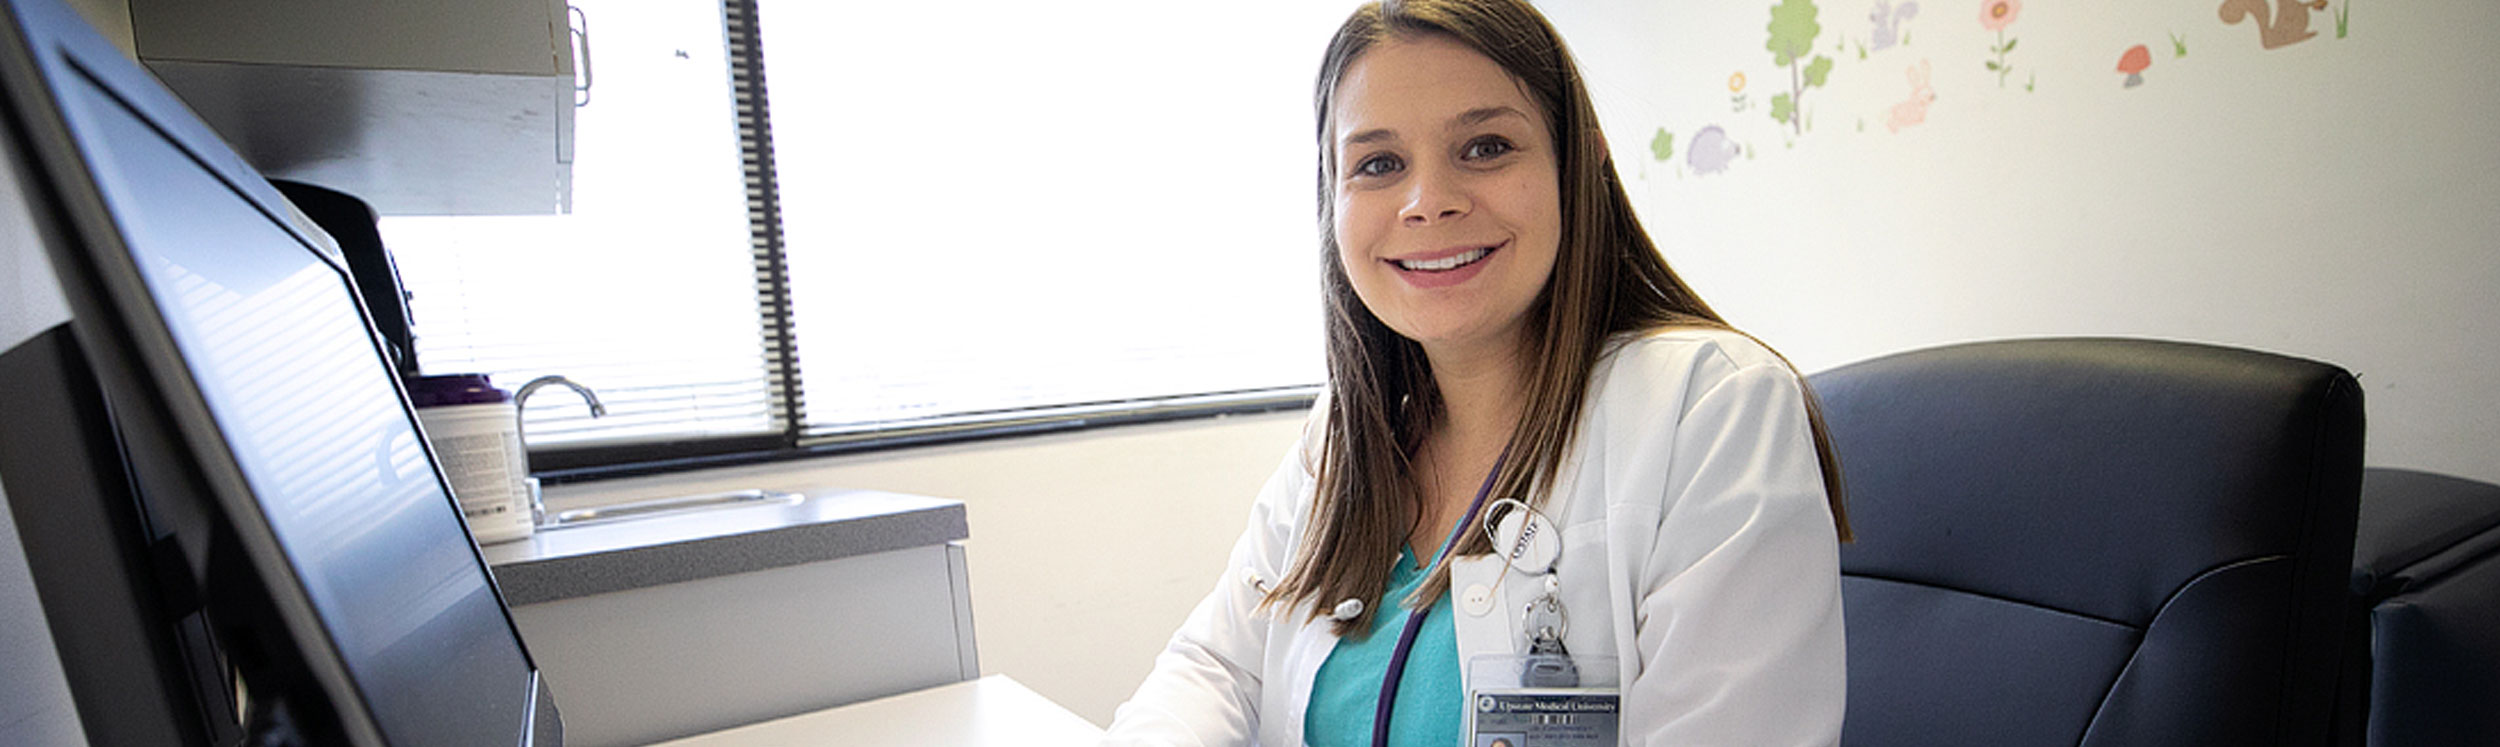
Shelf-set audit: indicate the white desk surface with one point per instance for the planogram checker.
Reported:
(992, 710)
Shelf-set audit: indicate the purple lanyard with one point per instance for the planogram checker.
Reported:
(1415, 619)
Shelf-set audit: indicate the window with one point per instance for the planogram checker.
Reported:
(966, 217)
(645, 292)
(1068, 202)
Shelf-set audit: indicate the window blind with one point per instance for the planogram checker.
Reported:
(994, 211)
(1043, 217)
(648, 292)
(763, 198)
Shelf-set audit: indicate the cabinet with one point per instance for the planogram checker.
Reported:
(445, 107)
(666, 626)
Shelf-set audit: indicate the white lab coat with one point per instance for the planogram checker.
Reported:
(1698, 550)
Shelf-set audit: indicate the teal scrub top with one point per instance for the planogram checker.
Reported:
(1346, 693)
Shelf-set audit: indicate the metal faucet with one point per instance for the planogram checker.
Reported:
(538, 500)
(519, 398)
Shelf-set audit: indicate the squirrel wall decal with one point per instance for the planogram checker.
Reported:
(1888, 23)
(2289, 24)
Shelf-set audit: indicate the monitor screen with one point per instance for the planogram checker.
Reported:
(275, 342)
(270, 339)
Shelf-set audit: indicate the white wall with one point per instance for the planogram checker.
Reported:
(2335, 198)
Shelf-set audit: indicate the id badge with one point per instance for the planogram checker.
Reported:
(1504, 711)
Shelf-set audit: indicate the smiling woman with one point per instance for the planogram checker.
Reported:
(1450, 179)
(1511, 364)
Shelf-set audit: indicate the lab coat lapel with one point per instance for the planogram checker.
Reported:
(1481, 627)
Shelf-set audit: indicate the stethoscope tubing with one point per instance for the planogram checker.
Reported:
(1415, 619)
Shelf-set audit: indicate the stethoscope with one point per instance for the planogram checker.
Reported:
(1534, 546)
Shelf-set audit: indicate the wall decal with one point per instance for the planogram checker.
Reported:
(1711, 151)
(1792, 36)
(1995, 15)
(1888, 21)
(2133, 63)
(2289, 24)
(1914, 110)
(1875, 102)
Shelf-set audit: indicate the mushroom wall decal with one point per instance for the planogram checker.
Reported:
(2133, 64)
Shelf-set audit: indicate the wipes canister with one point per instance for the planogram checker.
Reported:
(476, 433)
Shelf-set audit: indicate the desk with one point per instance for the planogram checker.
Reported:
(992, 710)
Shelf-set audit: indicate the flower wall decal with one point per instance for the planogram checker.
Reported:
(1995, 15)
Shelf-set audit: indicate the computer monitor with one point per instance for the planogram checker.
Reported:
(233, 519)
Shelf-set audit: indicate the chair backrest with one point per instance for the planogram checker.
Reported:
(2095, 542)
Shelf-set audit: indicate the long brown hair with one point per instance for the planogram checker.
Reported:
(1608, 280)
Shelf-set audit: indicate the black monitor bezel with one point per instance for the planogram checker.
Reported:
(129, 345)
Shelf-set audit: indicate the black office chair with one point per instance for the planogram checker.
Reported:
(2094, 542)
(2423, 664)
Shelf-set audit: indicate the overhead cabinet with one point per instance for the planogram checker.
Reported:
(442, 107)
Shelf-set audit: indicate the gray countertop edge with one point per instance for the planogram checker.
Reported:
(646, 558)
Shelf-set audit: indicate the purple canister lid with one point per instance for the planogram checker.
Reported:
(455, 389)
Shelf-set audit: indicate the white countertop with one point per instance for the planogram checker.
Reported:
(992, 710)
(574, 561)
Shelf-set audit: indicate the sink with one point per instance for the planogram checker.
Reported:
(672, 505)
